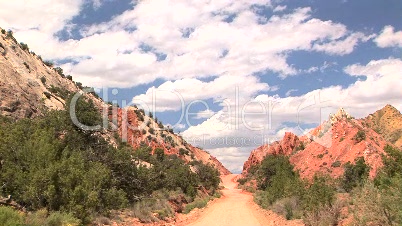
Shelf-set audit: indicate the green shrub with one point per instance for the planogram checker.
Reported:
(58, 218)
(10, 217)
(337, 163)
(289, 207)
(59, 71)
(43, 80)
(26, 65)
(37, 218)
(319, 194)
(151, 130)
(24, 46)
(3, 31)
(47, 94)
(242, 181)
(355, 174)
(198, 203)
(360, 136)
(69, 77)
(183, 151)
(48, 63)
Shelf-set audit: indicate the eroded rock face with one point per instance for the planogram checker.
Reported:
(388, 123)
(327, 148)
(25, 82)
(286, 147)
(145, 130)
(28, 87)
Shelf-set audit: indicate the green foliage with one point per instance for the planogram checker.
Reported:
(183, 151)
(59, 71)
(360, 136)
(43, 80)
(47, 94)
(151, 130)
(337, 163)
(79, 85)
(48, 163)
(26, 65)
(319, 194)
(58, 218)
(48, 63)
(242, 181)
(355, 175)
(198, 203)
(150, 115)
(3, 31)
(281, 189)
(10, 217)
(69, 77)
(9, 35)
(277, 179)
(300, 147)
(24, 46)
(61, 92)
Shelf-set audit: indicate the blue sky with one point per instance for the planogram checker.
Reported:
(224, 70)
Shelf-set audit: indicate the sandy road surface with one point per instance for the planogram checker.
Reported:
(236, 207)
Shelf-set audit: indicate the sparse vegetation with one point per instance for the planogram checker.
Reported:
(47, 94)
(26, 65)
(59, 71)
(3, 31)
(76, 174)
(360, 136)
(337, 163)
(48, 63)
(198, 203)
(43, 80)
(355, 174)
(24, 47)
(183, 151)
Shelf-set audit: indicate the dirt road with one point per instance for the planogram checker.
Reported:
(236, 207)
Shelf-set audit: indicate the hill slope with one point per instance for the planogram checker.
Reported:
(29, 86)
(327, 148)
(388, 123)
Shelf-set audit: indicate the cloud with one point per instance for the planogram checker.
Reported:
(46, 16)
(389, 38)
(174, 96)
(204, 114)
(175, 40)
(343, 45)
(380, 84)
(289, 92)
(280, 8)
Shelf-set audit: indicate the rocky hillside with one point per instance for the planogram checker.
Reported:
(327, 148)
(388, 123)
(137, 129)
(29, 86)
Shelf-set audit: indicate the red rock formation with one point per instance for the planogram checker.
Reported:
(135, 132)
(327, 148)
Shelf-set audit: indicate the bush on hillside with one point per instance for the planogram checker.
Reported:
(355, 174)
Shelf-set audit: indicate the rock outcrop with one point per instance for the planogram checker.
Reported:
(30, 86)
(327, 148)
(388, 123)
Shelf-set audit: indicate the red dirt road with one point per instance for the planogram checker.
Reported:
(236, 207)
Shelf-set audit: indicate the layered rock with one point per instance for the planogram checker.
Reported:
(29, 87)
(388, 123)
(327, 148)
